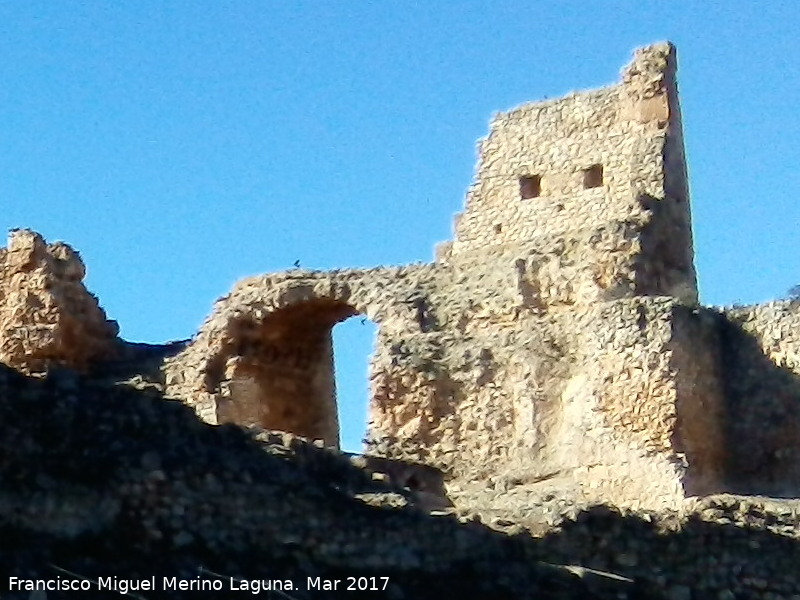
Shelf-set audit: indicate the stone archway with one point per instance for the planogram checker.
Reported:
(280, 373)
(264, 356)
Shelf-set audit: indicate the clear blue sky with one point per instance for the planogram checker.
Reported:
(181, 146)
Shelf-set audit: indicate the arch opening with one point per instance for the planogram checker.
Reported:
(280, 372)
(353, 347)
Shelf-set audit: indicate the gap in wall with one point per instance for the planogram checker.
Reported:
(353, 345)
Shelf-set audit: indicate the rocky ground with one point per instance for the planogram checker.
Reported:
(108, 482)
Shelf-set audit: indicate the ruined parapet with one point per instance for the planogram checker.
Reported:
(47, 317)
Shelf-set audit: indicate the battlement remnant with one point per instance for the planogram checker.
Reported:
(555, 343)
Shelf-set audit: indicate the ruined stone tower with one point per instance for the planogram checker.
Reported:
(557, 338)
(564, 285)
(602, 165)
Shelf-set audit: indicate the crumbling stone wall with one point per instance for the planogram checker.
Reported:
(555, 344)
(578, 202)
(554, 337)
(47, 317)
(87, 463)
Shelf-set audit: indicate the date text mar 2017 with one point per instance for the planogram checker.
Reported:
(353, 584)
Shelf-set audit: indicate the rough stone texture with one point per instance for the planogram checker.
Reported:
(556, 338)
(46, 315)
(538, 343)
(631, 234)
(130, 485)
(103, 478)
(552, 357)
(264, 357)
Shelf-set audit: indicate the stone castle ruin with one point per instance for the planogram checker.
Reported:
(556, 343)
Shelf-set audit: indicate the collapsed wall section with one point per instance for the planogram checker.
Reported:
(475, 391)
(619, 402)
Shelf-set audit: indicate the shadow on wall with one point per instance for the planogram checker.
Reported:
(761, 417)
(87, 463)
(719, 552)
(138, 359)
(667, 246)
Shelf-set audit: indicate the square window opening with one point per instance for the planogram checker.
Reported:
(530, 186)
(593, 177)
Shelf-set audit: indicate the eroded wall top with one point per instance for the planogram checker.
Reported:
(47, 317)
